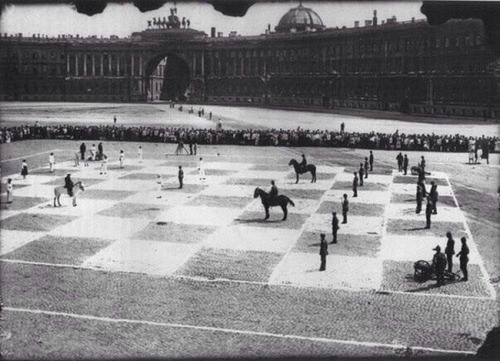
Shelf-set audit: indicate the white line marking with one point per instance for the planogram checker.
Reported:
(235, 331)
(31, 155)
(471, 241)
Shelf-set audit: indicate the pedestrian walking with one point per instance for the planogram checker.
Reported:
(10, 189)
(24, 169)
(201, 169)
(323, 252)
(335, 227)
(52, 161)
(464, 258)
(428, 211)
(405, 164)
(104, 164)
(83, 149)
(371, 161)
(361, 172)
(139, 153)
(366, 167)
(122, 158)
(449, 250)
(399, 159)
(345, 209)
(421, 194)
(439, 265)
(434, 196)
(180, 175)
(355, 185)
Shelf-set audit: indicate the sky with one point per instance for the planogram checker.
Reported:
(124, 19)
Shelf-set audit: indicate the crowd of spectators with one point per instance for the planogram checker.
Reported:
(275, 137)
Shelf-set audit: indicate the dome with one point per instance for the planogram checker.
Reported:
(299, 19)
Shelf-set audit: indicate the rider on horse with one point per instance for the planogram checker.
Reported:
(274, 190)
(68, 183)
(303, 164)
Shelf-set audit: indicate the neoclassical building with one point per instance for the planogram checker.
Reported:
(408, 66)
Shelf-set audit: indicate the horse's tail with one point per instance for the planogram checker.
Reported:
(291, 202)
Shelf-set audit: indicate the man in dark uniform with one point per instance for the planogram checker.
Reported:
(100, 150)
(323, 252)
(345, 208)
(361, 172)
(439, 264)
(450, 250)
(83, 149)
(371, 161)
(180, 175)
(335, 226)
(434, 196)
(303, 164)
(342, 127)
(355, 185)
(421, 193)
(68, 183)
(399, 158)
(405, 164)
(274, 190)
(428, 211)
(422, 167)
(464, 258)
(366, 167)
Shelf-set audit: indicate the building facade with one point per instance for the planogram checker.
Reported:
(410, 66)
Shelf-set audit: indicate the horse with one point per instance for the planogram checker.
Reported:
(58, 191)
(280, 200)
(298, 170)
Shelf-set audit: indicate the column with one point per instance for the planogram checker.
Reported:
(118, 65)
(194, 63)
(67, 65)
(202, 63)
(84, 64)
(109, 65)
(76, 64)
(93, 64)
(102, 65)
(132, 64)
(242, 64)
(140, 65)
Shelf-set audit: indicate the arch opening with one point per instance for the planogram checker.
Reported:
(168, 78)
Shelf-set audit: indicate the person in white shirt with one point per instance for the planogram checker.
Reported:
(122, 158)
(104, 165)
(93, 151)
(139, 152)
(10, 188)
(77, 159)
(201, 169)
(52, 161)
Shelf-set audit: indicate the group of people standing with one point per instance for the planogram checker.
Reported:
(444, 261)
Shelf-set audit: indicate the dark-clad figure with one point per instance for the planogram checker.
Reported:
(464, 258)
(371, 161)
(335, 226)
(345, 209)
(361, 172)
(366, 167)
(355, 185)
(428, 211)
(24, 169)
(68, 183)
(422, 167)
(274, 190)
(342, 127)
(303, 163)
(405, 164)
(439, 264)
(399, 158)
(421, 194)
(323, 252)
(100, 149)
(434, 196)
(449, 251)
(180, 175)
(83, 149)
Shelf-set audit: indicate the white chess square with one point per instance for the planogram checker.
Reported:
(199, 215)
(12, 240)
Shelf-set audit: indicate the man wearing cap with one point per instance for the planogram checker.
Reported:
(345, 209)
(355, 185)
(303, 164)
(68, 183)
(371, 161)
(323, 252)
(450, 250)
(464, 258)
(335, 226)
(274, 190)
(361, 174)
(367, 167)
(399, 158)
(405, 164)
(434, 196)
(421, 193)
(439, 264)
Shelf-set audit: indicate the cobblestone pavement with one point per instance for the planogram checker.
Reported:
(202, 256)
